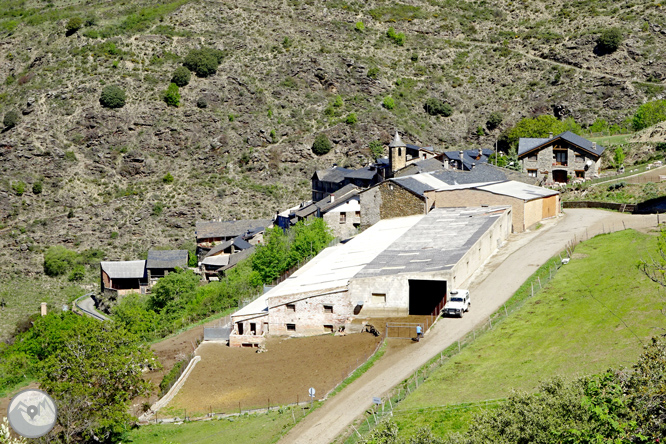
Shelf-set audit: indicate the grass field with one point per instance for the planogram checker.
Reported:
(615, 140)
(24, 296)
(246, 429)
(593, 315)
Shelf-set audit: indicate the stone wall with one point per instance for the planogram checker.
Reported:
(546, 158)
(310, 314)
(386, 201)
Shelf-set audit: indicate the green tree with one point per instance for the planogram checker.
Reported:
(11, 119)
(272, 257)
(203, 62)
(309, 240)
(18, 187)
(134, 314)
(37, 187)
(58, 260)
(398, 38)
(181, 76)
(618, 157)
(172, 290)
(539, 126)
(649, 114)
(376, 149)
(94, 376)
(171, 95)
(112, 97)
(321, 145)
(437, 107)
(77, 274)
(609, 40)
(73, 25)
(168, 178)
(494, 120)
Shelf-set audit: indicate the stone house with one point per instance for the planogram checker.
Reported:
(325, 182)
(211, 233)
(162, 262)
(560, 158)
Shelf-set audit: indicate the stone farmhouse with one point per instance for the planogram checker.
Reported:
(560, 158)
(465, 159)
(401, 266)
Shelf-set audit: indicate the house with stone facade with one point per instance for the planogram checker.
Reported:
(560, 158)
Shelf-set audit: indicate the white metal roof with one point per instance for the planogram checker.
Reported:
(221, 260)
(124, 269)
(518, 190)
(335, 266)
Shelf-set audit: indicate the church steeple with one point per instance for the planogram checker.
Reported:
(397, 154)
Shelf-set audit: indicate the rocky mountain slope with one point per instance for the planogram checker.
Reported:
(103, 173)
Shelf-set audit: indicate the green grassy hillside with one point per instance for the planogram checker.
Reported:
(594, 314)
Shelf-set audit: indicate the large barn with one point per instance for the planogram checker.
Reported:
(402, 265)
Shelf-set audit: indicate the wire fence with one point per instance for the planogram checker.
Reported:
(391, 402)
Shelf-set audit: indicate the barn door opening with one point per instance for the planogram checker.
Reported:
(426, 297)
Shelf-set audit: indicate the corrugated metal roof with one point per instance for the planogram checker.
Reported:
(167, 259)
(518, 190)
(124, 269)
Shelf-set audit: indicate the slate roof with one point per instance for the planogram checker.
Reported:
(324, 204)
(419, 183)
(335, 174)
(237, 242)
(420, 166)
(526, 145)
(124, 269)
(480, 173)
(230, 228)
(237, 257)
(470, 157)
(366, 173)
(167, 259)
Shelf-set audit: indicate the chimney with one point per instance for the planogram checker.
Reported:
(332, 198)
(43, 308)
(480, 152)
(462, 159)
(594, 145)
(550, 135)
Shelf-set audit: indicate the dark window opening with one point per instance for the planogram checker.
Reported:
(328, 328)
(253, 328)
(240, 329)
(291, 307)
(291, 327)
(343, 217)
(328, 309)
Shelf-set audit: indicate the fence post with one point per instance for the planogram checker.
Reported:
(539, 279)
(505, 311)
(491, 322)
(458, 346)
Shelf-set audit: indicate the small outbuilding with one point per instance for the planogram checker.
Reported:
(162, 262)
(123, 277)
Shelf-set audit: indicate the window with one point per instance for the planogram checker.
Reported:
(291, 307)
(532, 157)
(328, 309)
(561, 158)
(357, 214)
(291, 327)
(532, 173)
(328, 328)
(580, 174)
(378, 298)
(343, 217)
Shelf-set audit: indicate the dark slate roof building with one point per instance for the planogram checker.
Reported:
(325, 182)
(167, 259)
(525, 145)
(220, 231)
(238, 244)
(470, 158)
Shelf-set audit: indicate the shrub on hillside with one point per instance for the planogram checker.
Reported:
(494, 120)
(202, 103)
(437, 107)
(203, 62)
(398, 38)
(37, 188)
(172, 95)
(11, 119)
(321, 145)
(609, 40)
(388, 102)
(112, 97)
(73, 25)
(649, 114)
(181, 76)
(59, 260)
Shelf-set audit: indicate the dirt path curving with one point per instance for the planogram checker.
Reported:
(491, 286)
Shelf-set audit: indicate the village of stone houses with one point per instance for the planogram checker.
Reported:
(429, 247)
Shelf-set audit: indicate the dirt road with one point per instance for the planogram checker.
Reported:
(491, 286)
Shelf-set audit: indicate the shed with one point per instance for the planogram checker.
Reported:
(162, 262)
(123, 277)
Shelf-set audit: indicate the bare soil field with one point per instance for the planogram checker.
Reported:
(228, 376)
